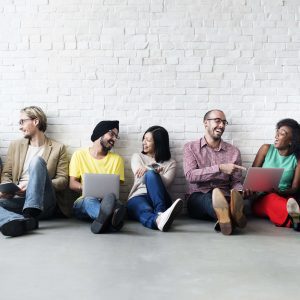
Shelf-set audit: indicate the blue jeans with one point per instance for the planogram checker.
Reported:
(199, 206)
(145, 208)
(88, 208)
(39, 194)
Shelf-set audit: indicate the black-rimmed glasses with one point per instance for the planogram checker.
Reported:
(218, 121)
(113, 134)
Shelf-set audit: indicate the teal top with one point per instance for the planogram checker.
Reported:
(274, 160)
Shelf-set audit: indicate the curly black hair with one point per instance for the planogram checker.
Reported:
(295, 143)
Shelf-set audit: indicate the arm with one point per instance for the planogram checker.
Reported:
(192, 171)
(261, 155)
(137, 165)
(295, 188)
(6, 175)
(169, 175)
(60, 181)
(236, 177)
(75, 184)
(121, 169)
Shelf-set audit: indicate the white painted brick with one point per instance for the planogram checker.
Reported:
(150, 62)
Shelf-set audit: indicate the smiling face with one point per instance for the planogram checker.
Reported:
(28, 126)
(215, 125)
(107, 141)
(283, 138)
(148, 144)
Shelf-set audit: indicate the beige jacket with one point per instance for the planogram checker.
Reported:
(55, 156)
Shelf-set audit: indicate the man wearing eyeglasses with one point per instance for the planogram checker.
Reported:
(38, 166)
(213, 170)
(106, 214)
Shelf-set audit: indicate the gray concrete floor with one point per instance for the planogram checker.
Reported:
(64, 260)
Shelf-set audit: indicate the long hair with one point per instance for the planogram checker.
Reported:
(161, 143)
(295, 142)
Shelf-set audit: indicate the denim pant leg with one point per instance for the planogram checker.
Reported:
(200, 206)
(6, 216)
(86, 208)
(40, 193)
(140, 208)
(157, 192)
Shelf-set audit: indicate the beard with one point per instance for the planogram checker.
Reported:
(105, 145)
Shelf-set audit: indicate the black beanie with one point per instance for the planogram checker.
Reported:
(102, 128)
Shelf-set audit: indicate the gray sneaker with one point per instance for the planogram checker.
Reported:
(101, 223)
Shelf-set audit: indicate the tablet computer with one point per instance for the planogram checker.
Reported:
(262, 179)
(9, 188)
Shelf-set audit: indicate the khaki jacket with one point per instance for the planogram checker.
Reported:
(55, 156)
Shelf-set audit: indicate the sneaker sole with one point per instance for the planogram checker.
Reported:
(118, 216)
(237, 209)
(100, 224)
(294, 212)
(14, 228)
(221, 209)
(175, 212)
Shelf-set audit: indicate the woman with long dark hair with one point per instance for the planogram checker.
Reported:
(154, 171)
(281, 206)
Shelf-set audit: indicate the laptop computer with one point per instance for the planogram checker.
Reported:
(262, 179)
(99, 185)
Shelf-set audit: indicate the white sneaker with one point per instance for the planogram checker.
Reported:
(164, 220)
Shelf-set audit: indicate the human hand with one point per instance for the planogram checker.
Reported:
(22, 190)
(230, 168)
(140, 172)
(159, 169)
(247, 193)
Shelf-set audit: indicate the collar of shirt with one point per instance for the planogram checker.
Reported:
(203, 143)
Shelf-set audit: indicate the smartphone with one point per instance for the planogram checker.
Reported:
(153, 166)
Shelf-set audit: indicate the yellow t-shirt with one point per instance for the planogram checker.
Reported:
(83, 162)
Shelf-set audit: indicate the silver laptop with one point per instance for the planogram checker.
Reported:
(99, 185)
(262, 179)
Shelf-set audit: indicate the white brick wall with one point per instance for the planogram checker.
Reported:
(149, 62)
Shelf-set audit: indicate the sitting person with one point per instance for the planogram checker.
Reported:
(154, 171)
(39, 166)
(280, 206)
(213, 170)
(107, 213)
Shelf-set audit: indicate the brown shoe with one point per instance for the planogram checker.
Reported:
(237, 209)
(221, 208)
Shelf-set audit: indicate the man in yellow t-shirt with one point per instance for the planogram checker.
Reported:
(107, 213)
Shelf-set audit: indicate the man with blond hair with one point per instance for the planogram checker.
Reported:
(38, 165)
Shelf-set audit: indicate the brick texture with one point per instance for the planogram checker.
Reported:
(149, 62)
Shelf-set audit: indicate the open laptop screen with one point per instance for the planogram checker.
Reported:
(262, 179)
(99, 185)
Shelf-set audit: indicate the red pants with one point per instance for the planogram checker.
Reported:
(272, 206)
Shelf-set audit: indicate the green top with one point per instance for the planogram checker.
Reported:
(274, 160)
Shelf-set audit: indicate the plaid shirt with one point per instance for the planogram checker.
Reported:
(201, 167)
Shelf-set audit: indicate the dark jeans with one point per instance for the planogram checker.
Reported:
(199, 206)
(145, 208)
